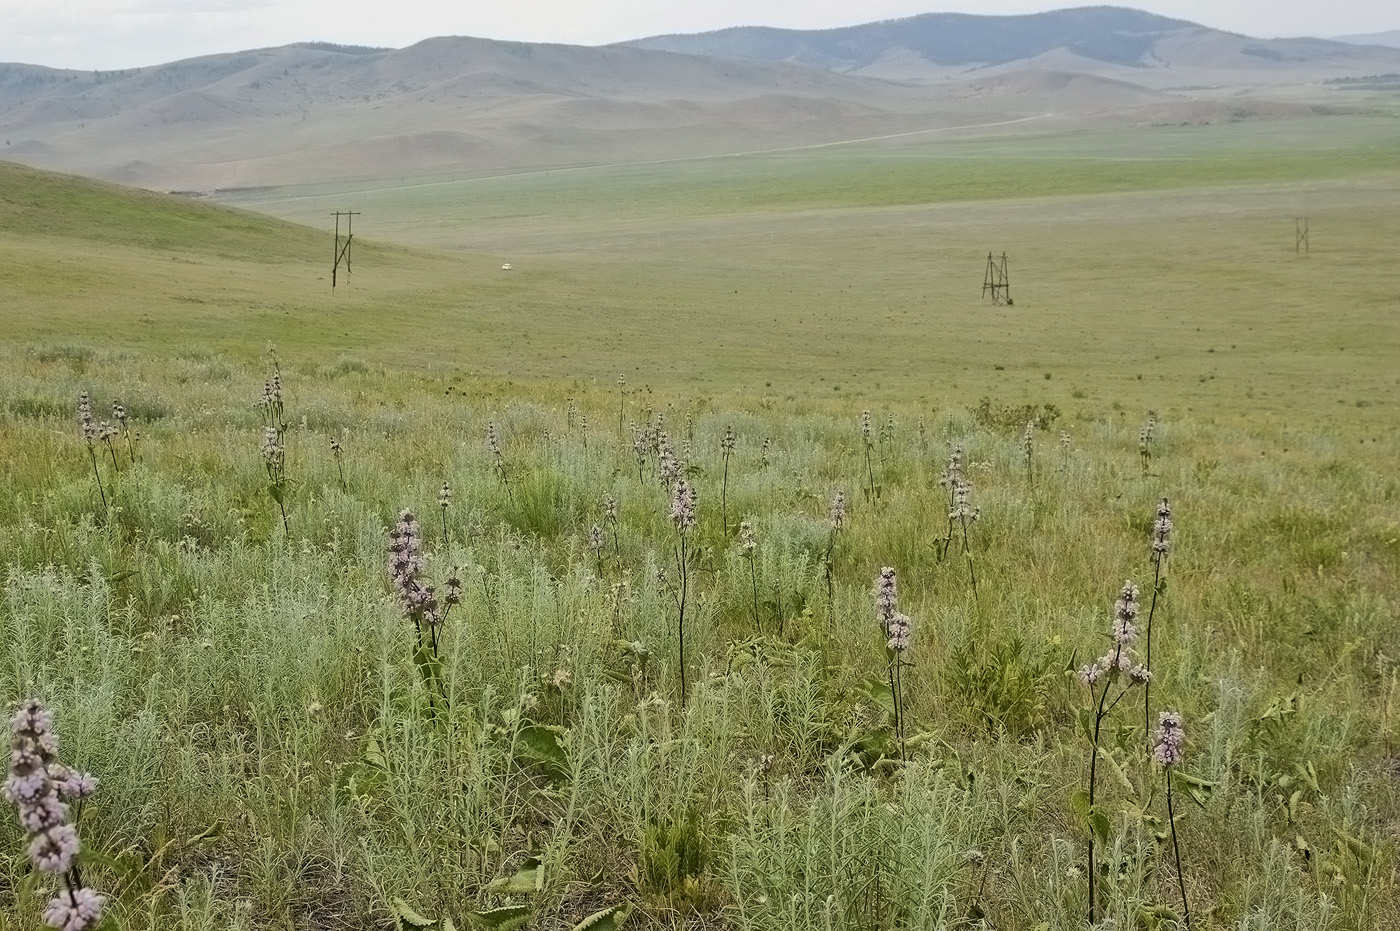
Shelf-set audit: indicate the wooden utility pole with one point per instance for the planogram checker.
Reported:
(996, 280)
(341, 253)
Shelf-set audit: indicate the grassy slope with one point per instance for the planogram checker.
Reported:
(1153, 268)
(161, 629)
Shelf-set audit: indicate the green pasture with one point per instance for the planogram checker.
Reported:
(279, 749)
(1152, 267)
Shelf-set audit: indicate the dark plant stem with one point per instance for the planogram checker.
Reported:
(98, 475)
(1147, 657)
(894, 697)
(830, 588)
(1176, 852)
(1093, 784)
(870, 473)
(680, 598)
(1099, 716)
(753, 577)
(724, 496)
(967, 552)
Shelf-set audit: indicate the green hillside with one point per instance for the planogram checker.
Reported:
(47, 204)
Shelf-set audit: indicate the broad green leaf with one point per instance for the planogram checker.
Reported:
(1356, 845)
(609, 919)
(374, 755)
(529, 878)
(1086, 723)
(127, 867)
(541, 742)
(1079, 802)
(877, 690)
(1117, 771)
(408, 918)
(505, 918)
(214, 830)
(1199, 789)
(1098, 823)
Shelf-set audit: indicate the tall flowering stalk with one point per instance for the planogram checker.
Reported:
(683, 517)
(274, 440)
(748, 544)
(88, 430)
(610, 520)
(668, 467)
(107, 435)
(836, 522)
(596, 543)
(949, 478)
(1116, 667)
(1145, 441)
(416, 599)
(897, 629)
(726, 445)
(1167, 751)
(444, 502)
(339, 453)
(621, 403)
(124, 428)
(41, 789)
(1064, 451)
(868, 439)
(1161, 545)
(1028, 450)
(965, 513)
(493, 444)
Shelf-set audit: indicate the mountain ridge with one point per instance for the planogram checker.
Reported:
(318, 111)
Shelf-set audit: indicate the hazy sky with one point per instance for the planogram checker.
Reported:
(111, 34)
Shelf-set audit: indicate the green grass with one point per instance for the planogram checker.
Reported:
(216, 671)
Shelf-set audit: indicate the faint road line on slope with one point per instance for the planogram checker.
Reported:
(655, 161)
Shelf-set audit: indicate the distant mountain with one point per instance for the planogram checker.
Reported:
(1111, 34)
(1101, 38)
(463, 106)
(1390, 38)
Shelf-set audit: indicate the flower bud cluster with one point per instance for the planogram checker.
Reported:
(1120, 658)
(1170, 738)
(837, 511)
(415, 598)
(683, 506)
(40, 788)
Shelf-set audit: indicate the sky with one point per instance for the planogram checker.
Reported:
(116, 34)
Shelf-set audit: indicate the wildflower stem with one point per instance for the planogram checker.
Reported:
(1176, 852)
(681, 569)
(1147, 653)
(98, 475)
(753, 577)
(967, 552)
(1093, 785)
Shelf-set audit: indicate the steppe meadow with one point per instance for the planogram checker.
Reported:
(729, 561)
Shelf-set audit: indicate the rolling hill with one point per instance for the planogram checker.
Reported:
(1149, 49)
(455, 106)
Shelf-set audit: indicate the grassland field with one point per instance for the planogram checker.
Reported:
(218, 664)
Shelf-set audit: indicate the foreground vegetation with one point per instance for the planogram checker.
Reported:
(621, 701)
(275, 751)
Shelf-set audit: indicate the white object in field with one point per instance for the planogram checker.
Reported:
(507, 267)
